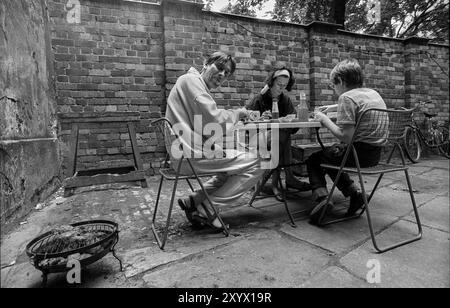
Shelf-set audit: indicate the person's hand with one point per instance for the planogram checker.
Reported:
(327, 108)
(266, 115)
(243, 113)
(319, 116)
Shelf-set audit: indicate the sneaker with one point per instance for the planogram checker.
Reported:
(318, 210)
(356, 203)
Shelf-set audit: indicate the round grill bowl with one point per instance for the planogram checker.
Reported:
(47, 246)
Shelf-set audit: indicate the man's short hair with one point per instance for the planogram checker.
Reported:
(349, 71)
(220, 59)
(271, 78)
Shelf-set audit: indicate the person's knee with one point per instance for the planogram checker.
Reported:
(314, 158)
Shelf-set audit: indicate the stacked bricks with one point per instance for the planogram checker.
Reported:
(126, 56)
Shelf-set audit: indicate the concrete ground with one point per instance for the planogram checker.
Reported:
(263, 250)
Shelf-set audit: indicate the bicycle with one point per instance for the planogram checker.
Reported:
(435, 135)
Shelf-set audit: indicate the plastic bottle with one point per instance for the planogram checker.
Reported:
(302, 109)
(275, 112)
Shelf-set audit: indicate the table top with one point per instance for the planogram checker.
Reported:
(270, 124)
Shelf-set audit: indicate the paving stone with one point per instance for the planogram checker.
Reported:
(434, 162)
(22, 275)
(250, 262)
(434, 181)
(434, 213)
(396, 202)
(338, 237)
(335, 277)
(141, 260)
(423, 263)
(15, 243)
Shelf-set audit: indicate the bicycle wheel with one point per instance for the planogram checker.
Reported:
(413, 148)
(443, 141)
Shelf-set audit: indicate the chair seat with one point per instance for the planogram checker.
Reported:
(380, 168)
(170, 174)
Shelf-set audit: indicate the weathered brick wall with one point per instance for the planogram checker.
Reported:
(29, 151)
(425, 78)
(125, 57)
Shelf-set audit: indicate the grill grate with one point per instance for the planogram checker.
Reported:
(85, 241)
(71, 239)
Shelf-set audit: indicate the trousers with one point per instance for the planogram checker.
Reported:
(236, 173)
(368, 156)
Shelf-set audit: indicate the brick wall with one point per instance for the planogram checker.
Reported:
(125, 56)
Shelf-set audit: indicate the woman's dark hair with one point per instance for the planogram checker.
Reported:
(220, 59)
(349, 71)
(270, 79)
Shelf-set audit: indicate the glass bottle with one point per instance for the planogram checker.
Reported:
(275, 112)
(302, 108)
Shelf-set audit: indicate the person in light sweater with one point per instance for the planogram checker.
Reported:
(192, 109)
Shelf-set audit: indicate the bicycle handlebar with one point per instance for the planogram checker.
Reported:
(421, 104)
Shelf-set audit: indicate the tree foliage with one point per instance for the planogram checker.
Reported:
(396, 18)
(244, 7)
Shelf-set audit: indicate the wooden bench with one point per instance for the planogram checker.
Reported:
(79, 178)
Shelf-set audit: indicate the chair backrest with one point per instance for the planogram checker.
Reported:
(383, 126)
(165, 127)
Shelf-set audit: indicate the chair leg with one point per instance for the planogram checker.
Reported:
(155, 233)
(417, 237)
(162, 242)
(260, 186)
(216, 212)
(190, 185)
(283, 195)
(321, 221)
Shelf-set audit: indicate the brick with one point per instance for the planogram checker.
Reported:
(64, 57)
(62, 42)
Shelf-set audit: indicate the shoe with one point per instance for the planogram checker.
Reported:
(277, 193)
(209, 221)
(356, 203)
(191, 213)
(317, 211)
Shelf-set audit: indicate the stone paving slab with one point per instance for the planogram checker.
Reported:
(396, 202)
(335, 277)
(423, 263)
(103, 273)
(144, 259)
(434, 181)
(434, 214)
(339, 237)
(433, 162)
(264, 259)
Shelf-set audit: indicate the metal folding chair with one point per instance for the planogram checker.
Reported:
(169, 174)
(393, 122)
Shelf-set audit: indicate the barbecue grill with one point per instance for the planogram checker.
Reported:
(86, 241)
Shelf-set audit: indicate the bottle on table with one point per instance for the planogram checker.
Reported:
(302, 108)
(275, 112)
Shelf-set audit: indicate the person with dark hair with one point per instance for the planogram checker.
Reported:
(193, 112)
(347, 81)
(278, 81)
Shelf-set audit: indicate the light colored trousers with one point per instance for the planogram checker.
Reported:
(236, 174)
